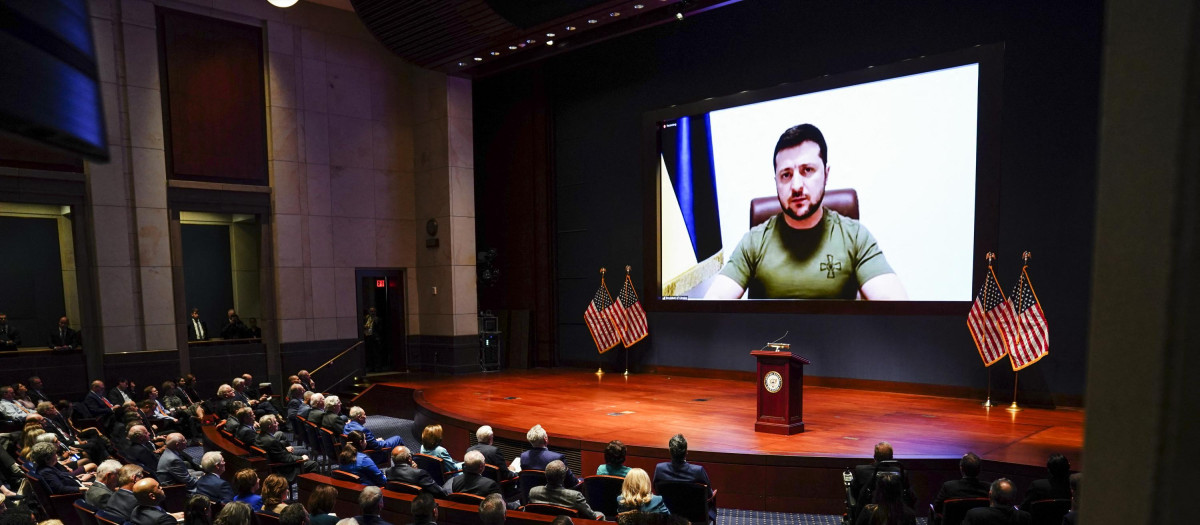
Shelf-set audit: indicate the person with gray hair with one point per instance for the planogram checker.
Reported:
(317, 412)
(404, 470)
(472, 480)
(1002, 495)
(295, 399)
(491, 454)
(173, 463)
(492, 510)
(358, 421)
(44, 457)
(224, 399)
(270, 440)
(539, 456)
(333, 418)
(211, 484)
(554, 493)
(370, 502)
(107, 481)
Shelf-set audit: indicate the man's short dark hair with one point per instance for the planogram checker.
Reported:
(17, 515)
(969, 465)
(797, 135)
(293, 514)
(491, 510)
(614, 452)
(1058, 465)
(1002, 492)
(883, 451)
(422, 507)
(678, 447)
(566, 520)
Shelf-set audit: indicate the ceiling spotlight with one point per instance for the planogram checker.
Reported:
(615, 14)
(549, 42)
(638, 6)
(592, 21)
(462, 64)
(283, 3)
(531, 41)
(679, 16)
(495, 53)
(512, 48)
(549, 35)
(477, 59)
(570, 28)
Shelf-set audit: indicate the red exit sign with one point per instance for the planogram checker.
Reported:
(380, 283)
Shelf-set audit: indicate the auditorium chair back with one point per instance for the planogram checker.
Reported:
(1049, 511)
(602, 491)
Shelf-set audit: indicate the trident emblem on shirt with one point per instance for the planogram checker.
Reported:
(830, 267)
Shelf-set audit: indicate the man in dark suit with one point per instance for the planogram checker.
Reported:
(44, 456)
(472, 481)
(54, 422)
(1057, 486)
(554, 493)
(62, 337)
(122, 393)
(864, 476)
(424, 510)
(539, 456)
(491, 454)
(197, 329)
(317, 411)
(141, 451)
(967, 487)
(405, 471)
(1001, 512)
(246, 433)
(370, 500)
(36, 392)
(96, 404)
(108, 476)
(277, 452)
(10, 338)
(243, 391)
(234, 327)
(173, 463)
(211, 484)
(333, 418)
(123, 501)
(149, 510)
(678, 469)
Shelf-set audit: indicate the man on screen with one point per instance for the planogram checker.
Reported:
(808, 251)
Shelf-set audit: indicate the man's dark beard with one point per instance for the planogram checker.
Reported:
(811, 209)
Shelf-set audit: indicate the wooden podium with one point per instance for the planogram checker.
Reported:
(780, 392)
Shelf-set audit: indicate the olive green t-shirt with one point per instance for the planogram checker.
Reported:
(828, 261)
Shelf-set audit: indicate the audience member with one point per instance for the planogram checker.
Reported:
(472, 480)
(358, 421)
(370, 502)
(234, 327)
(35, 390)
(10, 337)
(141, 451)
(158, 413)
(21, 395)
(614, 460)
(305, 406)
(316, 411)
(224, 399)
(95, 403)
(539, 455)
(197, 510)
(562, 520)
(405, 470)
(234, 513)
(307, 380)
(123, 500)
(62, 337)
(122, 393)
(333, 420)
(554, 493)
(149, 511)
(320, 505)
(636, 494)
(864, 476)
(1001, 512)
(211, 484)
(277, 452)
(424, 510)
(887, 504)
(295, 399)
(967, 487)
(491, 454)
(44, 457)
(253, 331)
(245, 391)
(678, 469)
(197, 329)
(17, 515)
(188, 384)
(245, 433)
(10, 408)
(1057, 486)
(431, 444)
(1072, 516)
(275, 490)
(108, 479)
(293, 514)
(492, 510)
(245, 484)
(354, 462)
(174, 462)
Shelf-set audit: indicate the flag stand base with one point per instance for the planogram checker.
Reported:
(599, 371)
(626, 372)
(988, 403)
(1014, 408)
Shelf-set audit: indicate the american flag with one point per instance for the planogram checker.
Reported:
(990, 321)
(600, 322)
(630, 315)
(1032, 334)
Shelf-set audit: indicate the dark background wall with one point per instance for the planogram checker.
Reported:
(596, 98)
(31, 280)
(207, 273)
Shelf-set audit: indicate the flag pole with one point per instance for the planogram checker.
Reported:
(1014, 407)
(987, 402)
(627, 268)
(599, 367)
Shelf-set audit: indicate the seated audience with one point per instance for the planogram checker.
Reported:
(333, 420)
(95, 403)
(370, 502)
(405, 470)
(233, 423)
(424, 510)
(224, 399)
(141, 451)
(1072, 516)
(637, 496)
(62, 337)
(293, 514)
(1001, 512)
(10, 337)
(554, 493)
(174, 463)
(122, 393)
(245, 485)
(358, 421)
(44, 457)
(316, 412)
(1057, 486)
(431, 445)
(354, 462)
(246, 432)
(887, 504)
(242, 391)
(864, 476)
(491, 454)
(539, 455)
(10, 409)
(211, 484)
(149, 511)
(678, 469)
(492, 510)
(197, 510)
(472, 481)
(123, 501)
(36, 392)
(274, 493)
(305, 406)
(967, 487)
(278, 452)
(108, 480)
(295, 399)
(234, 513)
(187, 384)
(614, 460)
(307, 381)
(320, 505)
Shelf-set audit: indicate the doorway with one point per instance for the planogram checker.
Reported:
(381, 318)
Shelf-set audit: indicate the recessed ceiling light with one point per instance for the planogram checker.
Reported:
(531, 41)
(477, 59)
(570, 28)
(638, 6)
(283, 3)
(495, 53)
(549, 35)
(549, 42)
(592, 21)
(512, 48)
(461, 64)
(615, 14)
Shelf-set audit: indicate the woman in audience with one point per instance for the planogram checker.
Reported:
(274, 493)
(320, 506)
(29, 437)
(614, 460)
(431, 445)
(56, 478)
(887, 506)
(234, 513)
(359, 464)
(636, 495)
(245, 484)
(197, 510)
(67, 457)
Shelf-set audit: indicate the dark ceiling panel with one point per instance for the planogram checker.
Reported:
(529, 13)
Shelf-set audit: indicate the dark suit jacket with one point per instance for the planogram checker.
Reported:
(1051, 488)
(493, 457)
(215, 488)
(334, 422)
(276, 451)
(564, 497)
(95, 405)
(865, 517)
(121, 503)
(10, 338)
(193, 336)
(997, 516)
(114, 396)
(142, 455)
(69, 338)
(316, 416)
(59, 480)
(37, 396)
(960, 488)
(246, 434)
(472, 483)
(864, 474)
(147, 515)
(684, 471)
(415, 476)
(172, 469)
(98, 495)
(538, 458)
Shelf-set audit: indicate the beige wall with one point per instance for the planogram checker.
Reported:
(342, 116)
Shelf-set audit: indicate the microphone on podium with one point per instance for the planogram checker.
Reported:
(776, 345)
